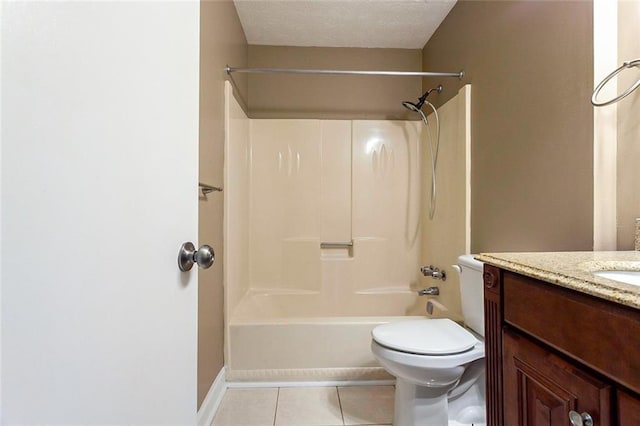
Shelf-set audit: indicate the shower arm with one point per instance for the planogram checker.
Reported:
(423, 98)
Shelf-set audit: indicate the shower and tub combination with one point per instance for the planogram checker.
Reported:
(324, 238)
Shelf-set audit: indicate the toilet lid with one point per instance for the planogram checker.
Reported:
(425, 336)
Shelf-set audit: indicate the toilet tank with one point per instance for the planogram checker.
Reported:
(472, 292)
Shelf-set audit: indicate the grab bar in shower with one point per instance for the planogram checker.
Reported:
(336, 245)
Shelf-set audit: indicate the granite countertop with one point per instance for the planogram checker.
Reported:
(573, 270)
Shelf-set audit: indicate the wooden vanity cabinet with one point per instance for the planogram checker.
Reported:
(628, 409)
(551, 350)
(541, 388)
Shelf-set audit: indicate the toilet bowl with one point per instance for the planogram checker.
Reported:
(438, 364)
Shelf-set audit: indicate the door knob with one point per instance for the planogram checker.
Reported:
(577, 419)
(188, 255)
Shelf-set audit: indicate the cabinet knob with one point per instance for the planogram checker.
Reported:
(578, 419)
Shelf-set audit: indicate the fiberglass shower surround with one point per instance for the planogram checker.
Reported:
(308, 182)
(352, 184)
(323, 240)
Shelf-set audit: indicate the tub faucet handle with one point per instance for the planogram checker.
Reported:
(427, 270)
(439, 275)
(433, 272)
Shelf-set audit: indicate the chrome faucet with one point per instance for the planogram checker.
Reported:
(431, 291)
(435, 273)
(439, 275)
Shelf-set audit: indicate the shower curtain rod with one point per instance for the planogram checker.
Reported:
(230, 70)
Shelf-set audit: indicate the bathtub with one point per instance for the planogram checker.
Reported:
(285, 337)
(297, 309)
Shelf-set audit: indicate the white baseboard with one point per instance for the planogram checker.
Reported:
(212, 401)
(320, 383)
(308, 374)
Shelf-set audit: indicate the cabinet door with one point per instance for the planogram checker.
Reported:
(628, 410)
(540, 388)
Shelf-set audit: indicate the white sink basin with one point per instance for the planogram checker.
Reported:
(628, 277)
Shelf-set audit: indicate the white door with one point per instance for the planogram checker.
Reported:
(99, 189)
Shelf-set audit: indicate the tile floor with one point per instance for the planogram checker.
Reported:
(312, 406)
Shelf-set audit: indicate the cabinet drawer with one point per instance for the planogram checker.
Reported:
(601, 335)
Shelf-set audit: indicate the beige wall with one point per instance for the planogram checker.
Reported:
(628, 126)
(531, 67)
(332, 97)
(222, 41)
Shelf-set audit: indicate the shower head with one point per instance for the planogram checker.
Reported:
(411, 106)
(421, 100)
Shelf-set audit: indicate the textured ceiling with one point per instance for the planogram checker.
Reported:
(405, 24)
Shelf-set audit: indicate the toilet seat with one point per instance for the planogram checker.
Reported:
(436, 337)
(428, 361)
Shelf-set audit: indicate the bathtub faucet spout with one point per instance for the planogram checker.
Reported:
(431, 291)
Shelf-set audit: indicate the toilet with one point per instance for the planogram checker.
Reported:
(438, 364)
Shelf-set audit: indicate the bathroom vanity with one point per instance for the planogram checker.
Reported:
(562, 343)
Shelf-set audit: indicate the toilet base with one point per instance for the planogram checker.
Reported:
(422, 406)
(469, 408)
(419, 405)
